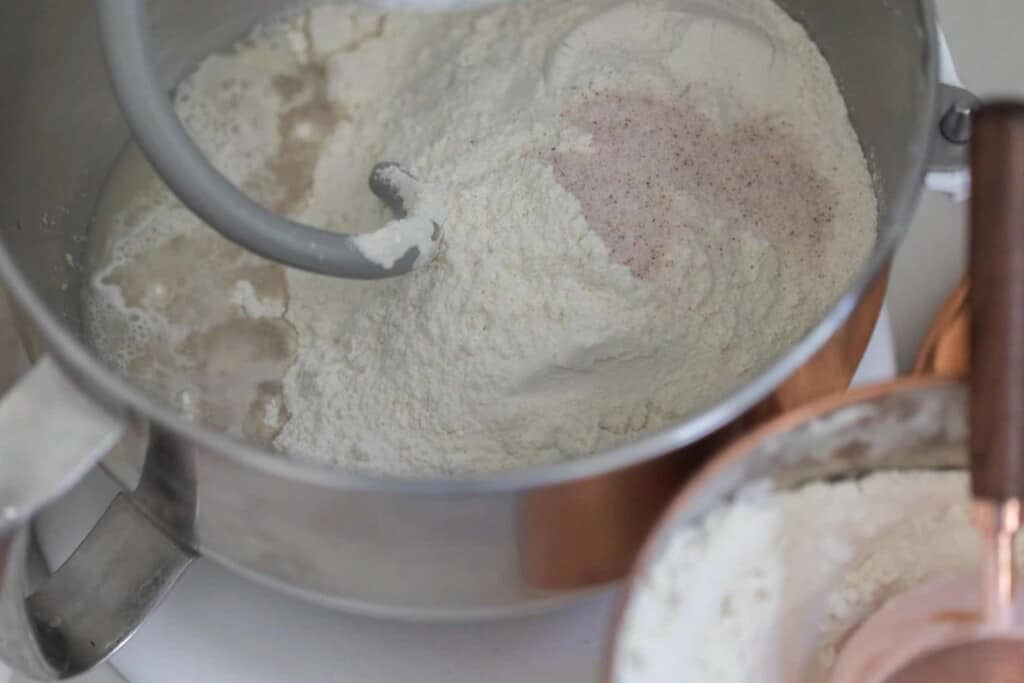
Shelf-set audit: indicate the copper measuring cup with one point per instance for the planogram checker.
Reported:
(914, 423)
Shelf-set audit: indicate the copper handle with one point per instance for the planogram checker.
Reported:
(997, 302)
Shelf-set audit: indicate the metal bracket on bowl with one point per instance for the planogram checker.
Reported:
(956, 105)
(51, 435)
(947, 170)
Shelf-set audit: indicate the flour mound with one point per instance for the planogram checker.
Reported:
(645, 204)
(591, 288)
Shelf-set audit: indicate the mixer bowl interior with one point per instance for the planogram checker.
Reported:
(61, 133)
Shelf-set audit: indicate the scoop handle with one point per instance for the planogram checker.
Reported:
(997, 302)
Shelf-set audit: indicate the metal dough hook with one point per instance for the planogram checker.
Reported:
(400, 246)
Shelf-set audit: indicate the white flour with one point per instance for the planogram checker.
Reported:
(766, 588)
(646, 204)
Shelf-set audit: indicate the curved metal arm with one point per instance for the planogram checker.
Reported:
(50, 436)
(400, 246)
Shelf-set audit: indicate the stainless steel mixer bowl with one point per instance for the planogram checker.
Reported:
(471, 547)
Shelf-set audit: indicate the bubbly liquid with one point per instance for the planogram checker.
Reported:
(209, 337)
(192, 317)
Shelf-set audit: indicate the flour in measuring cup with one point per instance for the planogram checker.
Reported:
(647, 202)
(767, 587)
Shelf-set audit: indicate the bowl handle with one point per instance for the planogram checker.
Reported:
(51, 435)
(997, 303)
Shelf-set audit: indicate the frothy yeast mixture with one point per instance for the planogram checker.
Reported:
(647, 202)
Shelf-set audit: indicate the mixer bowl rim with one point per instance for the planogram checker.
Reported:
(90, 372)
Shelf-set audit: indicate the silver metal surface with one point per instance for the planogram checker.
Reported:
(209, 194)
(430, 548)
(94, 602)
(51, 434)
(956, 122)
(955, 106)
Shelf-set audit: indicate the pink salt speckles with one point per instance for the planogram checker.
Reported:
(647, 151)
